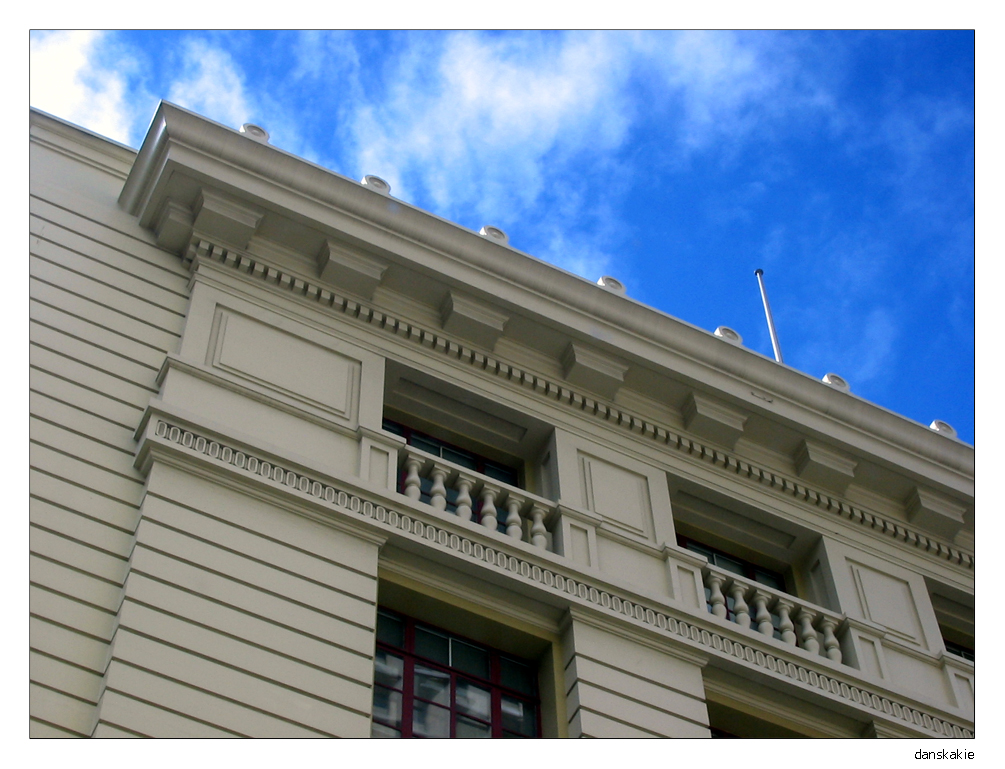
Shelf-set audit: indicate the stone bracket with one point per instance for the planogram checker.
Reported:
(173, 228)
(222, 218)
(351, 270)
(585, 367)
(713, 420)
(475, 321)
(816, 463)
(934, 512)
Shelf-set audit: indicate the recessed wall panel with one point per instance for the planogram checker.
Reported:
(307, 372)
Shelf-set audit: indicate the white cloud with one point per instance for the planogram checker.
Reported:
(212, 85)
(477, 125)
(486, 129)
(66, 80)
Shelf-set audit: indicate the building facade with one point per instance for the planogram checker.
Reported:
(309, 461)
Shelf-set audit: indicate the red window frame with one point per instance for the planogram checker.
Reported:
(493, 683)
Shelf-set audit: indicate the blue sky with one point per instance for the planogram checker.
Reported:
(842, 163)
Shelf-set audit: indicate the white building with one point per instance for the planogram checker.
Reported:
(307, 460)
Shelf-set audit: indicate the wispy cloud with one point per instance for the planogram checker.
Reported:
(211, 84)
(67, 80)
(471, 120)
(490, 129)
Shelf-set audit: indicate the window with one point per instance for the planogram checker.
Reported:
(959, 650)
(735, 565)
(725, 722)
(954, 611)
(430, 683)
(455, 454)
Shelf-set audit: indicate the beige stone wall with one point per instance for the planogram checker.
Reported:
(620, 684)
(106, 306)
(240, 619)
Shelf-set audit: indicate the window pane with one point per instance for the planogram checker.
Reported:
(462, 458)
(433, 646)
(425, 444)
(770, 579)
(379, 730)
(518, 716)
(393, 427)
(729, 564)
(474, 700)
(432, 685)
(390, 630)
(470, 659)
(468, 728)
(388, 669)
(515, 675)
(430, 720)
(501, 473)
(387, 705)
(694, 547)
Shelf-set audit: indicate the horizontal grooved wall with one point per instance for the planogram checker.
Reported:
(105, 307)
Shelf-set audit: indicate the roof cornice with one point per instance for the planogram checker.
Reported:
(65, 137)
(181, 142)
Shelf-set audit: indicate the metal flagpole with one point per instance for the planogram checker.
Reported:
(771, 321)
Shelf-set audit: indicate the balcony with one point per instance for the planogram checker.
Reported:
(470, 495)
(757, 608)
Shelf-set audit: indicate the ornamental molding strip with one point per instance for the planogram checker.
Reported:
(435, 341)
(547, 577)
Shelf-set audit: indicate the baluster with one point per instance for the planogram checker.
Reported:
(488, 507)
(807, 635)
(784, 609)
(741, 613)
(831, 644)
(464, 484)
(514, 526)
(761, 614)
(716, 598)
(538, 534)
(438, 492)
(413, 483)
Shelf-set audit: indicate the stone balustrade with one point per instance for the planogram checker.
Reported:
(471, 496)
(773, 613)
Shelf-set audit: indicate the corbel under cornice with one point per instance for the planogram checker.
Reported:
(713, 420)
(934, 512)
(818, 464)
(224, 218)
(478, 322)
(350, 269)
(592, 370)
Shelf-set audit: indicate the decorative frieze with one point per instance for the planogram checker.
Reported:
(559, 393)
(546, 575)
